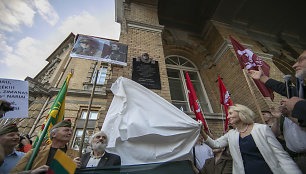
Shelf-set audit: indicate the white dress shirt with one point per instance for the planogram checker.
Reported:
(94, 161)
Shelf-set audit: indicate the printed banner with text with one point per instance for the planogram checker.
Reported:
(17, 93)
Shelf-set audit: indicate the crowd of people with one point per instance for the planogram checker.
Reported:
(13, 161)
(278, 146)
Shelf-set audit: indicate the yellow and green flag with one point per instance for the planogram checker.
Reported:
(56, 113)
(61, 164)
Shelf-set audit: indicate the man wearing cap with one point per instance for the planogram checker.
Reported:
(9, 138)
(60, 135)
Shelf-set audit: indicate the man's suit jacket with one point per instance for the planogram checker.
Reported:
(299, 110)
(108, 159)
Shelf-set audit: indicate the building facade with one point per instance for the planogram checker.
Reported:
(183, 36)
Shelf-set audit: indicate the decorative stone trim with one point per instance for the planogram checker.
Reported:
(144, 26)
(208, 116)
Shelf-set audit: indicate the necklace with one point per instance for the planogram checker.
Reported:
(246, 128)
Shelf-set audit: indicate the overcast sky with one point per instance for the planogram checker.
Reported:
(30, 30)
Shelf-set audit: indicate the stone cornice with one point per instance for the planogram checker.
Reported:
(144, 26)
(208, 116)
(79, 93)
(37, 89)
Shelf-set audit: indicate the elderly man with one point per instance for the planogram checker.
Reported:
(9, 138)
(294, 108)
(295, 105)
(99, 157)
(60, 135)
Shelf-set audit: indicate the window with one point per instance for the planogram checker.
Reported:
(177, 67)
(77, 139)
(101, 75)
(92, 116)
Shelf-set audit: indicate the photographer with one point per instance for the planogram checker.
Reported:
(25, 144)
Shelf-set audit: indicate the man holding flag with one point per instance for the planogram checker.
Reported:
(60, 135)
(250, 61)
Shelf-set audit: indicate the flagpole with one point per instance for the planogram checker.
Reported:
(36, 146)
(223, 119)
(29, 165)
(88, 110)
(203, 114)
(253, 94)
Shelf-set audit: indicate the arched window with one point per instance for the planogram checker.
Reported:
(177, 66)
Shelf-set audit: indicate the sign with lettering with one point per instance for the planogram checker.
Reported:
(146, 74)
(17, 93)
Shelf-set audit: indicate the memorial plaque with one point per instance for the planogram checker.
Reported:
(146, 73)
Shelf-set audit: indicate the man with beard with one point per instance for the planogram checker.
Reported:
(294, 110)
(99, 157)
(296, 105)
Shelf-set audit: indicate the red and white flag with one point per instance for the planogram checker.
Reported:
(194, 102)
(225, 100)
(250, 61)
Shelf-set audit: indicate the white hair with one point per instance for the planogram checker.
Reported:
(53, 131)
(94, 135)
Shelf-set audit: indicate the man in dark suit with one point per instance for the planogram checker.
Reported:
(99, 157)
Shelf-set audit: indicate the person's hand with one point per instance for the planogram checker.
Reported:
(283, 109)
(275, 113)
(203, 133)
(258, 75)
(77, 160)
(41, 169)
(289, 103)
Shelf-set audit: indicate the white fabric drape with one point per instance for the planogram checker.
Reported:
(144, 128)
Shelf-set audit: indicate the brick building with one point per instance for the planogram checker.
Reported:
(182, 36)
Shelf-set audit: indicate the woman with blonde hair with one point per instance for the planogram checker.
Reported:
(253, 146)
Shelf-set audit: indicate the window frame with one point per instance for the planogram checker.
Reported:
(102, 67)
(181, 70)
(75, 137)
(85, 110)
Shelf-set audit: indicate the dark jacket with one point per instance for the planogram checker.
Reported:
(224, 165)
(108, 159)
(299, 110)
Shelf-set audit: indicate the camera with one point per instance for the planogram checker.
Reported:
(23, 137)
(6, 107)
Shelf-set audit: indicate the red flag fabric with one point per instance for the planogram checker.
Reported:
(194, 102)
(225, 100)
(250, 61)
